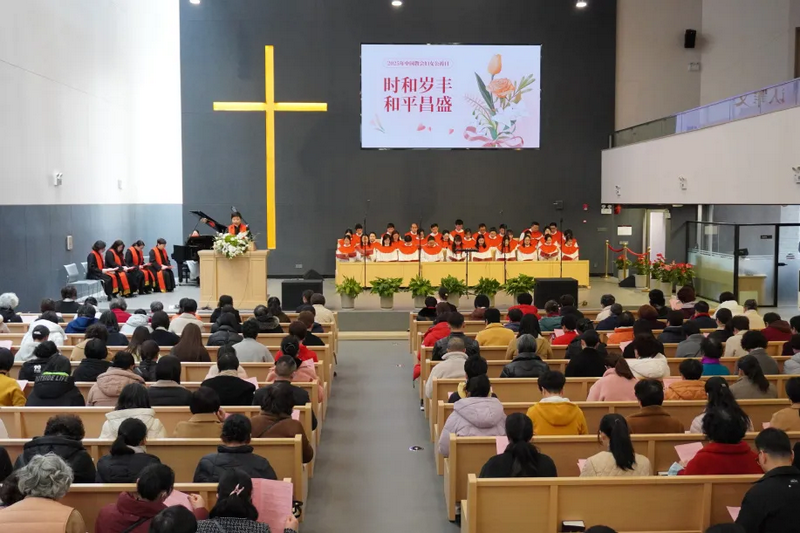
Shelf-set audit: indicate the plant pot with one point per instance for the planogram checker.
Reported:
(491, 300)
(453, 299)
(666, 288)
(619, 275)
(419, 301)
(348, 302)
(640, 280)
(654, 283)
(252, 246)
(387, 302)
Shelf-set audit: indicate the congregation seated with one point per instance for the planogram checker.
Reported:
(115, 338)
(514, 317)
(606, 301)
(306, 301)
(224, 301)
(755, 344)
(68, 302)
(552, 318)
(110, 383)
(134, 512)
(226, 331)
(649, 362)
(554, 414)
(751, 312)
(477, 415)
(10, 393)
(139, 336)
(494, 334)
(617, 384)
(285, 368)
(673, 333)
(752, 384)
(719, 396)
(95, 362)
(690, 387)
(232, 389)
(455, 321)
(187, 316)
(190, 346)
(567, 306)
(726, 452)
(305, 369)
(623, 331)
(618, 458)
(690, 346)
(174, 519)
(39, 485)
(612, 320)
(481, 304)
(792, 366)
(727, 300)
(529, 325)
(776, 329)
(428, 313)
(474, 366)
(525, 304)
(62, 437)
(648, 314)
(686, 300)
(161, 334)
(583, 327)
(133, 402)
(526, 364)
(84, 317)
(724, 326)
(137, 320)
(733, 345)
(275, 420)
(55, 387)
(520, 458)
(451, 367)
(249, 350)
(207, 416)
(652, 417)
(46, 327)
(95, 331)
(569, 325)
(127, 457)
(306, 318)
(167, 389)
(148, 353)
(322, 313)
(701, 316)
(711, 352)
(235, 452)
(267, 322)
(274, 307)
(589, 363)
(788, 419)
(35, 366)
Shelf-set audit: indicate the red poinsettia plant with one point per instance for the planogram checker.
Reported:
(657, 266)
(681, 273)
(622, 262)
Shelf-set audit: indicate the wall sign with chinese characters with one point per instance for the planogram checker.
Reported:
(450, 96)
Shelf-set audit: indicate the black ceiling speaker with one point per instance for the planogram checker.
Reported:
(689, 38)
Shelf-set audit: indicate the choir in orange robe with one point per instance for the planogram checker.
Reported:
(493, 240)
(570, 250)
(364, 249)
(431, 251)
(408, 251)
(527, 251)
(113, 260)
(346, 251)
(134, 259)
(507, 250)
(547, 250)
(385, 252)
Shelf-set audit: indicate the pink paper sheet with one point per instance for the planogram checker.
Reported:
(178, 498)
(502, 443)
(6, 344)
(22, 383)
(273, 499)
(253, 380)
(734, 512)
(687, 451)
(295, 415)
(557, 333)
(624, 344)
(581, 464)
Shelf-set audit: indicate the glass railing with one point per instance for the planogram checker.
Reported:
(774, 98)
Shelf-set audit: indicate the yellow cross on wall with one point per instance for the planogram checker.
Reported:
(269, 107)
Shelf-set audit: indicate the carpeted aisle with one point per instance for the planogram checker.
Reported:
(366, 479)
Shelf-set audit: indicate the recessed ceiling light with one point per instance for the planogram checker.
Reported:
(195, 2)
(397, 3)
(581, 4)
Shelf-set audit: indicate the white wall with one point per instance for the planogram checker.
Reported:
(90, 88)
(653, 77)
(744, 162)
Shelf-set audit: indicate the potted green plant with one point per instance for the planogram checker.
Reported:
(420, 288)
(455, 288)
(349, 289)
(641, 268)
(489, 287)
(386, 288)
(521, 284)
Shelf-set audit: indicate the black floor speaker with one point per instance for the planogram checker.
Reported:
(552, 289)
(292, 292)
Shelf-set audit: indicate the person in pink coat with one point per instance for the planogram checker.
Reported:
(617, 382)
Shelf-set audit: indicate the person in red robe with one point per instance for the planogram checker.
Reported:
(502, 231)
(390, 229)
(483, 251)
(459, 227)
(359, 232)
(435, 233)
(396, 241)
(364, 248)
(134, 260)
(526, 251)
(385, 251)
(114, 261)
(468, 240)
(558, 237)
(237, 226)
(161, 268)
(456, 250)
(346, 250)
(493, 240)
(413, 232)
(373, 238)
(569, 250)
(96, 269)
(547, 250)
(536, 235)
(481, 229)
(431, 251)
(408, 250)
(507, 250)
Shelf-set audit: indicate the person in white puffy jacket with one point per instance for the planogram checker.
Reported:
(49, 319)
(133, 402)
(650, 363)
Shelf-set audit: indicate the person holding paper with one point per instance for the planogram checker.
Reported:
(652, 417)
(133, 512)
(520, 458)
(234, 453)
(771, 505)
(10, 393)
(117, 268)
(788, 419)
(96, 269)
(727, 453)
(275, 419)
(619, 459)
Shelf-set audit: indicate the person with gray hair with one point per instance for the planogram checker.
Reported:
(9, 302)
(526, 364)
(451, 366)
(45, 479)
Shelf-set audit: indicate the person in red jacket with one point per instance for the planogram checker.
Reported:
(525, 304)
(568, 325)
(777, 329)
(439, 330)
(297, 332)
(727, 453)
(132, 513)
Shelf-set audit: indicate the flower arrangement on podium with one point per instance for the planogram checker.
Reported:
(232, 246)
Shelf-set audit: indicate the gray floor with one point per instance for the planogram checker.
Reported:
(366, 479)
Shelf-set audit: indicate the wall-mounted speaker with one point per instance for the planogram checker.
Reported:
(689, 38)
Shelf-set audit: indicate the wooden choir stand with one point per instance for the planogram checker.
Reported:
(243, 278)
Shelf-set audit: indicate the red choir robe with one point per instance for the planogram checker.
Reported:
(135, 259)
(159, 263)
(569, 252)
(345, 252)
(527, 253)
(548, 252)
(363, 251)
(493, 242)
(384, 254)
(408, 253)
(236, 230)
(113, 260)
(510, 253)
(431, 253)
(469, 243)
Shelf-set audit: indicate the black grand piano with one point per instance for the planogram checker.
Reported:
(188, 250)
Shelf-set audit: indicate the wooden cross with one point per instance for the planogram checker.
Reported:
(269, 106)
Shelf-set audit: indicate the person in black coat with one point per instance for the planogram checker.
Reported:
(285, 366)
(658, 302)
(115, 338)
(62, 436)
(267, 322)
(520, 458)
(32, 368)
(5, 466)
(589, 363)
(702, 318)
(127, 458)
(225, 301)
(167, 390)
(575, 347)
(94, 363)
(161, 334)
(567, 305)
(526, 364)
(673, 333)
(427, 313)
(649, 315)
(640, 327)
(226, 331)
(67, 303)
(235, 452)
(147, 366)
(307, 319)
(610, 323)
(232, 389)
(54, 387)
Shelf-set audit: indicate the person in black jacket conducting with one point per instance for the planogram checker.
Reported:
(235, 452)
(771, 505)
(127, 458)
(526, 364)
(520, 458)
(589, 363)
(54, 387)
(62, 436)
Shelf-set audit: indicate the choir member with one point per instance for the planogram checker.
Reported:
(372, 238)
(526, 251)
(359, 232)
(396, 239)
(390, 229)
(237, 226)
(385, 252)
(483, 251)
(408, 251)
(510, 235)
(435, 233)
(114, 261)
(414, 231)
(536, 235)
(469, 240)
(431, 252)
(547, 250)
(446, 240)
(346, 251)
(482, 228)
(502, 231)
(459, 227)
(363, 248)
(161, 267)
(558, 237)
(456, 250)
(569, 251)
(134, 259)
(95, 269)
(507, 250)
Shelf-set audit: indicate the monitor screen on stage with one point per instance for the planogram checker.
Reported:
(450, 96)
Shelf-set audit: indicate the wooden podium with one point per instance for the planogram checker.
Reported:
(243, 278)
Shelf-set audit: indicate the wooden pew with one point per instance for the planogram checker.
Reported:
(469, 454)
(285, 456)
(685, 504)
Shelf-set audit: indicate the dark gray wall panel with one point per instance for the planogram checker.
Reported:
(324, 179)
